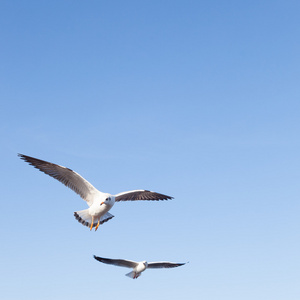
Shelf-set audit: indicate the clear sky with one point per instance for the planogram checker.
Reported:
(195, 99)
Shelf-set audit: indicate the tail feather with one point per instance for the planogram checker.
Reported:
(106, 218)
(130, 274)
(85, 218)
(133, 275)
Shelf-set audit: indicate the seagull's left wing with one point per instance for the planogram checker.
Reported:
(164, 264)
(141, 195)
(66, 176)
(117, 262)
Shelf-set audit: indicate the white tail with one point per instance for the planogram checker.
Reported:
(133, 275)
(85, 218)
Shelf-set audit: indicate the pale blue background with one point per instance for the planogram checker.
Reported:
(194, 99)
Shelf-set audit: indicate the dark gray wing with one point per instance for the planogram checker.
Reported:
(66, 176)
(117, 262)
(164, 264)
(141, 195)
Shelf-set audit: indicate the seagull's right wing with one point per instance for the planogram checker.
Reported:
(163, 264)
(117, 262)
(141, 195)
(66, 176)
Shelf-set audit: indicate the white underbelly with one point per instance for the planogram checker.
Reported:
(140, 268)
(99, 211)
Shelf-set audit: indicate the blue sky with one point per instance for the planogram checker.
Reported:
(195, 99)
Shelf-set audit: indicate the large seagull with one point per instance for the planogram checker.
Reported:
(99, 203)
(138, 267)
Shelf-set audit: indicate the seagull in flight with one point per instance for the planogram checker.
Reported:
(99, 203)
(138, 267)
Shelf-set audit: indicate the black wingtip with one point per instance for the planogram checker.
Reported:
(166, 197)
(23, 156)
(97, 258)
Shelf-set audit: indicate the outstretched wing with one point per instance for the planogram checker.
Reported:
(164, 264)
(117, 262)
(141, 195)
(66, 176)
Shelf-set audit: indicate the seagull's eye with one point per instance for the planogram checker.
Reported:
(108, 199)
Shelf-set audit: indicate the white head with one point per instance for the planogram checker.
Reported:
(109, 200)
(145, 263)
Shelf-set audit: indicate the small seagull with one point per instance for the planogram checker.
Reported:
(138, 267)
(99, 203)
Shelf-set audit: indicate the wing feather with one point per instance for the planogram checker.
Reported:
(141, 195)
(117, 262)
(66, 176)
(164, 264)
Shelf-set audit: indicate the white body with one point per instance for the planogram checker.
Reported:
(102, 203)
(136, 272)
(98, 210)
